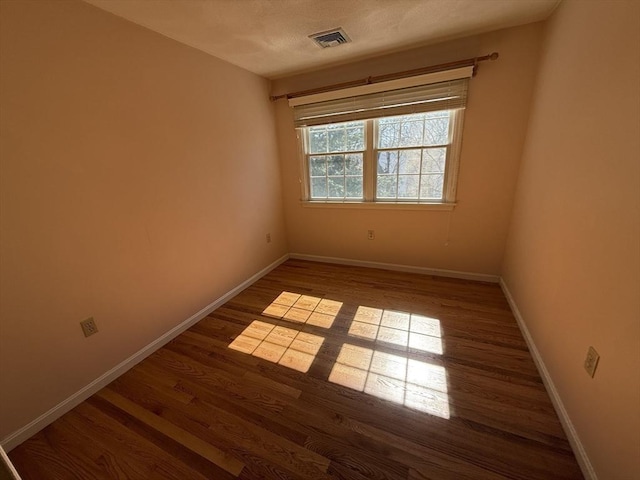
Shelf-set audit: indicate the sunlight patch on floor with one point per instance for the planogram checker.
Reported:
(416, 384)
(297, 308)
(398, 328)
(284, 346)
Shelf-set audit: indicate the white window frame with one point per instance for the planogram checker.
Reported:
(438, 91)
(369, 200)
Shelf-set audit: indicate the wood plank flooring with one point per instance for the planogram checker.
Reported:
(321, 371)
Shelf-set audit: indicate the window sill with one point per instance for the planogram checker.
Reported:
(378, 205)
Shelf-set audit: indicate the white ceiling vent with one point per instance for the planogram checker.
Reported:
(330, 38)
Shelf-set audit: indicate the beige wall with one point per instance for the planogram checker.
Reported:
(122, 150)
(573, 256)
(139, 178)
(495, 123)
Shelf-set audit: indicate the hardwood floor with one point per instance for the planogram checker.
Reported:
(350, 373)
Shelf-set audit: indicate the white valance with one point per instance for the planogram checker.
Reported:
(444, 90)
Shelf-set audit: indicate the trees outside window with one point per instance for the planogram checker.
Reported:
(407, 158)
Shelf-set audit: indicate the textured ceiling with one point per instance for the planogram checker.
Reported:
(270, 37)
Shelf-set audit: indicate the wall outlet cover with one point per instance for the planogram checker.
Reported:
(89, 327)
(591, 362)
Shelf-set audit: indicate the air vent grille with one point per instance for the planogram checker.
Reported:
(330, 38)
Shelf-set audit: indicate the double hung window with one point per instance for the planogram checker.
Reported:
(399, 146)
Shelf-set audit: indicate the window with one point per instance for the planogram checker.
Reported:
(336, 161)
(408, 159)
(411, 156)
(396, 143)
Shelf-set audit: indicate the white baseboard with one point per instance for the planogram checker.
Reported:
(578, 449)
(19, 436)
(7, 463)
(481, 277)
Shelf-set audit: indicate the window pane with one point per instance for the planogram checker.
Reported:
(409, 161)
(336, 187)
(433, 160)
(421, 129)
(355, 138)
(318, 166)
(335, 165)
(411, 133)
(337, 138)
(431, 186)
(437, 128)
(387, 162)
(386, 186)
(319, 187)
(388, 133)
(408, 186)
(353, 164)
(317, 140)
(354, 187)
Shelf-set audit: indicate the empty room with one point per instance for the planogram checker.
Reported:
(304, 239)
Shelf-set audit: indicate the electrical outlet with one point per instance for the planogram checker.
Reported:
(591, 362)
(268, 238)
(89, 327)
(371, 234)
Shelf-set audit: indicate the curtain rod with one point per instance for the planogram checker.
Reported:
(391, 76)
